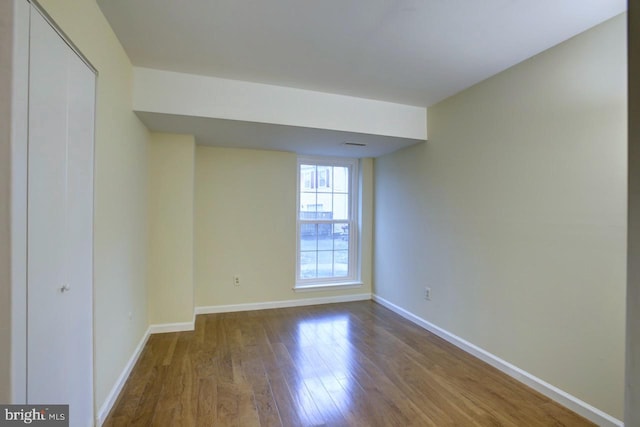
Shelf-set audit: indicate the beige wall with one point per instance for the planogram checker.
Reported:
(170, 265)
(120, 219)
(632, 405)
(514, 214)
(245, 226)
(366, 223)
(6, 38)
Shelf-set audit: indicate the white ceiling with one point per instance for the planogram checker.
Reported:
(414, 52)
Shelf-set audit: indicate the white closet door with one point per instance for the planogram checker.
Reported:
(60, 225)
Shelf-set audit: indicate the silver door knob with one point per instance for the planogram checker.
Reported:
(65, 288)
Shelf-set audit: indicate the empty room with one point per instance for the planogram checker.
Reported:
(297, 213)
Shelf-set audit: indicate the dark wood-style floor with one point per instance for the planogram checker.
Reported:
(352, 364)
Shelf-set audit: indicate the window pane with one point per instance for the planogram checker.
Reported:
(308, 265)
(308, 237)
(324, 178)
(325, 237)
(341, 236)
(325, 264)
(340, 206)
(308, 205)
(341, 263)
(340, 179)
(324, 206)
(307, 173)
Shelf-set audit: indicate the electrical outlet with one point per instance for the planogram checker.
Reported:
(130, 315)
(427, 294)
(236, 280)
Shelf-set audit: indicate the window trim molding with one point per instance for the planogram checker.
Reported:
(328, 286)
(353, 279)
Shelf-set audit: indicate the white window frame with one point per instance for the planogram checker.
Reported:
(353, 277)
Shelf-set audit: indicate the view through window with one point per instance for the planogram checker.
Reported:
(327, 228)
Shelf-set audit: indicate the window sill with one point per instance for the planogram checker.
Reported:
(327, 286)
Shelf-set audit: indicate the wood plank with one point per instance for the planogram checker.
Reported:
(206, 402)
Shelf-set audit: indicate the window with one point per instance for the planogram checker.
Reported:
(327, 222)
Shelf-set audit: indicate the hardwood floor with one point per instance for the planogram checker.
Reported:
(351, 364)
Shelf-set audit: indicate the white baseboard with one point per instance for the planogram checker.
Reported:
(565, 399)
(172, 327)
(122, 379)
(280, 304)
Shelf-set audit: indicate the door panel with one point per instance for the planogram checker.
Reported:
(46, 215)
(60, 222)
(79, 230)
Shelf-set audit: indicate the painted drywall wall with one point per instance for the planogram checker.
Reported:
(6, 61)
(245, 205)
(170, 263)
(183, 94)
(120, 183)
(514, 214)
(632, 389)
(366, 222)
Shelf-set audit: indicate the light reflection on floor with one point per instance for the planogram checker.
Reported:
(323, 358)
